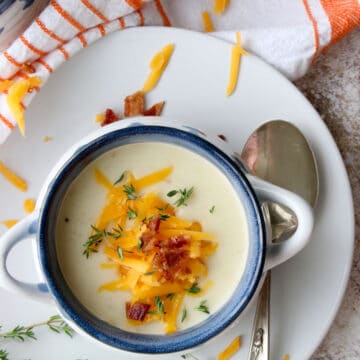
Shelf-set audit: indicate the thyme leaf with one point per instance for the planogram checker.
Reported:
(183, 314)
(139, 244)
(132, 214)
(150, 272)
(164, 217)
(211, 211)
(159, 305)
(130, 192)
(116, 233)
(121, 178)
(189, 356)
(120, 252)
(194, 289)
(172, 193)
(203, 307)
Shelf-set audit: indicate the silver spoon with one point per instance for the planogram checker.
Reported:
(279, 153)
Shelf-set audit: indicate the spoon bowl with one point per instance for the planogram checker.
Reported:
(278, 152)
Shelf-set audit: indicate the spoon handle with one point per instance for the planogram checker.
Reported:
(259, 344)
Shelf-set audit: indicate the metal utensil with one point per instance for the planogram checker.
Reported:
(279, 153)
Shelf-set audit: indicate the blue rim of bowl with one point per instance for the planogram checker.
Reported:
(103, 331)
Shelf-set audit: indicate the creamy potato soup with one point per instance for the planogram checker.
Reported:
(93, 272)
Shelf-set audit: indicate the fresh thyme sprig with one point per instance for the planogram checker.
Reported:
(4, 355)
(184, 195)
(22, 333)
(203, 307)
(19, 333)
(130, 192)
(189, 356)
(94, 241)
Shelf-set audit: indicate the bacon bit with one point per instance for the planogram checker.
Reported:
(155, 110)
(28, 68)
(110, 117)
(134, 104)
(170, 255)
(176, 242)
(136, 311)
(154, 224)
(222, 137)
(149, 240)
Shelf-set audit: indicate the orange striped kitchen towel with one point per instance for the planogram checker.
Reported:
(287, 34)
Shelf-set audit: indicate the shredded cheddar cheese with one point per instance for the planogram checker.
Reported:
(157, 66)
(287, 357)
(16, 93)
(47, 139)
(208, 26)
(100, 118)
(13, 178)
(220, 6)
(4, 85)
(236, 52)
(231, 349)
(157, 255)
(29, 205)
(10, 223)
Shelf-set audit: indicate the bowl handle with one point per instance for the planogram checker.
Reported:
(24, 230)
(280, 252)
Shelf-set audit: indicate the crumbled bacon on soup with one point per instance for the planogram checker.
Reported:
(136, 311)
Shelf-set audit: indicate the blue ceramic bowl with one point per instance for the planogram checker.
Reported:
(251, 192)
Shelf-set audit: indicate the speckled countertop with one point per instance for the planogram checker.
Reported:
(333, 86)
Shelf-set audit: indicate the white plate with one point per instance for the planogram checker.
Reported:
(306, 291)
